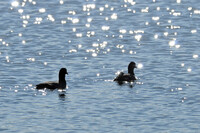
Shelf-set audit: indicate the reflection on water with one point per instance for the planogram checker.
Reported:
(15, 4)
(95, 40)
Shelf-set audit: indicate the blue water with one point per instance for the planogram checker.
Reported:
(95, 40)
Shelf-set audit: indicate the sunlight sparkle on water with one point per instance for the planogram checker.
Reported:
(79, 46)
(25, 17)
(25, 22)
(90, 33)
(131, 32)
(20, 34)
(79, 35)
(61, 2)
(72, 12)
(132, 2)
(63, 21)
(177, 46)
(112, 8)
(138, 31)
(193, 31)
(94, 54)
(89, 20)
(75, 20)
(88, 7)
(129, 10)
(105, 27)
(21, 11)
(138, 37)
(165, 33)
(101, 9)
(179, 89)
(73, 51)
(45, 63)
(34, 2)
(31, 59)
(74, 29)
(189, 69)
(106, 18)
(176, 14)
(156, 36)
(117, 73)
(140, 66)
(155, 18)
(15, 4)
(145, 10)
(196, 11)
(87, 25)
(23, 42)
(123, 31)
(42, 10)
(169, 21)
(106, 5)
(38, 20)
(95, 44)
(114, 16)
(172, 43)
(189, 8)
(178, 1)
(50, 17)
(195, 56)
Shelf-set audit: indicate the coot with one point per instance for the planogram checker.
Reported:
(61, 84)
(130, 76)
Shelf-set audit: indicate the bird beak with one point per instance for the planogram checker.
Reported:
(67, 73)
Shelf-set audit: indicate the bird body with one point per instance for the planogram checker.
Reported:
(125, 77)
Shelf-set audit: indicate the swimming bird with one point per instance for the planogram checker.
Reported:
(130, 76)
(61, 84)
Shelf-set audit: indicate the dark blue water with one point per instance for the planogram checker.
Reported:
(95, 40)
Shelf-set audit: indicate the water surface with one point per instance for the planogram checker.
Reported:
(95, 40)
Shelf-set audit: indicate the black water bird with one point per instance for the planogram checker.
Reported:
(61, 84)
(129, 77)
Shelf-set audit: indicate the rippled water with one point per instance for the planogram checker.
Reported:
(95, 40)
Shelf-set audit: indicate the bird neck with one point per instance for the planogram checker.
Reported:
(61, 77)
(131, 71)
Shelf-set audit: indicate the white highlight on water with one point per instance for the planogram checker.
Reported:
(15, 4)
